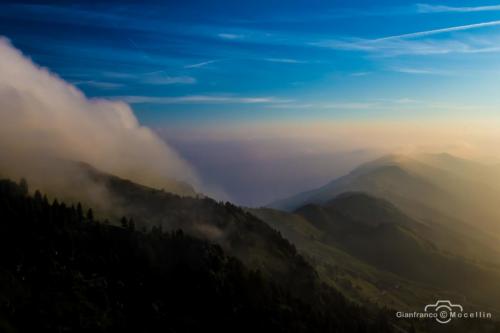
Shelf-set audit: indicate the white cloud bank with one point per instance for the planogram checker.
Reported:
(42, 116)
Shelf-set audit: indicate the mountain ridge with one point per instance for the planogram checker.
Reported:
(67, 271)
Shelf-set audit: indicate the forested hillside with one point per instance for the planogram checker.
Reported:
(64, 271)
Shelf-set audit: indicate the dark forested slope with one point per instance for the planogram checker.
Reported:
(63, 271)
(239, 233)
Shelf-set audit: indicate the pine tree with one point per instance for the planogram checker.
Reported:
(38, 197)
(23, 185)
(131, 225)
(124, 222)
(79, 211)
(90, 215)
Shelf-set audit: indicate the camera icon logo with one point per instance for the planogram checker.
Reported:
(444, 310)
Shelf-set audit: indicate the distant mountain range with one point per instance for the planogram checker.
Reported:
(400, 230)
(432, 188)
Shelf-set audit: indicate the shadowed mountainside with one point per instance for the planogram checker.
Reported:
(65, 271)
(369, 248)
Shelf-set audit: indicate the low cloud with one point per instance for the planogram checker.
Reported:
(44, 118)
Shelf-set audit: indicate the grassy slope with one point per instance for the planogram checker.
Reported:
(369, 249)
(357, 279)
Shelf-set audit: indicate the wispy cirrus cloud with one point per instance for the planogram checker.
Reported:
(374, 11)
(166, 80)
(417, 43)
(427, 8)
(285, 60)
(200, 64)
(395, 47)
(98, 84)
(159, 77)
(441, 31)
(419, 71)
(229, 36)
(331, 105)
(357, 74)
(379, 104)
(200, 99)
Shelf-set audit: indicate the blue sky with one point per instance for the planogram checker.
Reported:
(268, 98)
(208, 62)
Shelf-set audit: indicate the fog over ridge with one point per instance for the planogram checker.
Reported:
(44, 118)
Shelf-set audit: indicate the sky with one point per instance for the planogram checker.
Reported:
(211, 76)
